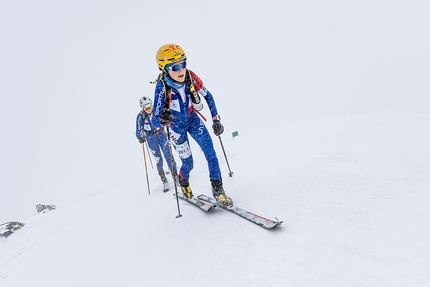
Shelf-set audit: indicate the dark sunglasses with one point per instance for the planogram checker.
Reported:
(179, 66)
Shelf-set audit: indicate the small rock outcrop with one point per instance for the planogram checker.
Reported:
(44, 208)
(8, 228)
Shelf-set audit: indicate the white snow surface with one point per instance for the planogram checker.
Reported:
(331, 102)
(352, 192)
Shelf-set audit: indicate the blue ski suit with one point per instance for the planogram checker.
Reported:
(156, 139)
(187, 121)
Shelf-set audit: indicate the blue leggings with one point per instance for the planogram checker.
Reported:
(155, 142)
(198, 131)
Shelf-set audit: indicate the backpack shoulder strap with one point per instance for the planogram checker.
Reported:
(195, 80)
(167, 91)
(192, 82)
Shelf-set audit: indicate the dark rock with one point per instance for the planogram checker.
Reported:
(44, 208)
(8, 228)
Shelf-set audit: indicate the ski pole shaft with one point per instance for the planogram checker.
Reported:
(172, 168)
(146, 168)
(230, 173)
(147, 149)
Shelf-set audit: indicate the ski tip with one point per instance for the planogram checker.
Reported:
(277, 224)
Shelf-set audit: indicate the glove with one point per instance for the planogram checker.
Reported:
(142, 139)
(218, 128)
(166, 117)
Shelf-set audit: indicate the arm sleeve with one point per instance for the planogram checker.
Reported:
(158, 104)
(139, 125)
(210, 100)
(200, 87)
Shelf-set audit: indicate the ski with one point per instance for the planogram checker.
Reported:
(203, 205)
(257, 219)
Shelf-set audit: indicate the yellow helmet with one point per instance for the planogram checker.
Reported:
(169, 53)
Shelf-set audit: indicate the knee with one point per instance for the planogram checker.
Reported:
(188, 163)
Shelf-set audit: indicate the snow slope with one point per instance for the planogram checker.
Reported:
(352, 191)
(71, 74)
(331, 101)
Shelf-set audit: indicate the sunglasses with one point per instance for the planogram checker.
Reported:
(179, 66)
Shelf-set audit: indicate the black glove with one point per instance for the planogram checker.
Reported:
(166, 117)
(218, 128)
(142, 139)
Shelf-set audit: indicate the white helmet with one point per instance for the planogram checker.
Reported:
(145, 102)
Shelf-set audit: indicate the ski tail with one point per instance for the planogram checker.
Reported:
(203, 205)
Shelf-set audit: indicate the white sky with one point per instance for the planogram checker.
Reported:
(71, 74)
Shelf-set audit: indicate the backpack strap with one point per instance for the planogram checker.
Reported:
(190, 84)
(167, 91)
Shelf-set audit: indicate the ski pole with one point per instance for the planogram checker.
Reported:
(146, 168)
(230, 172)
(172, 168)
(150, 160)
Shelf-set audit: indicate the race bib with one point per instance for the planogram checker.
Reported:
(183, 150)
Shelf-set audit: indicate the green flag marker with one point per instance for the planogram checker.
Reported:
(235, 134)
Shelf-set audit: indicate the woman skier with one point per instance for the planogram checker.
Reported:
(176, 102)
(156, 138)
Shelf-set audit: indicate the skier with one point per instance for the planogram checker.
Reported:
(156, 138)
(176, 102)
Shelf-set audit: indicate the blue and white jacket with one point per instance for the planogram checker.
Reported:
(181, 106)
(144, 125)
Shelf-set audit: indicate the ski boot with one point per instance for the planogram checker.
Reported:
(219, 194)
(164, 180)
(185, 187)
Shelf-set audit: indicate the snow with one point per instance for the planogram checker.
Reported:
(332, 108)
(352, 191)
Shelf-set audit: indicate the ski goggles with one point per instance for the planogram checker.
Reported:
(148, 108)
(178, 66)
